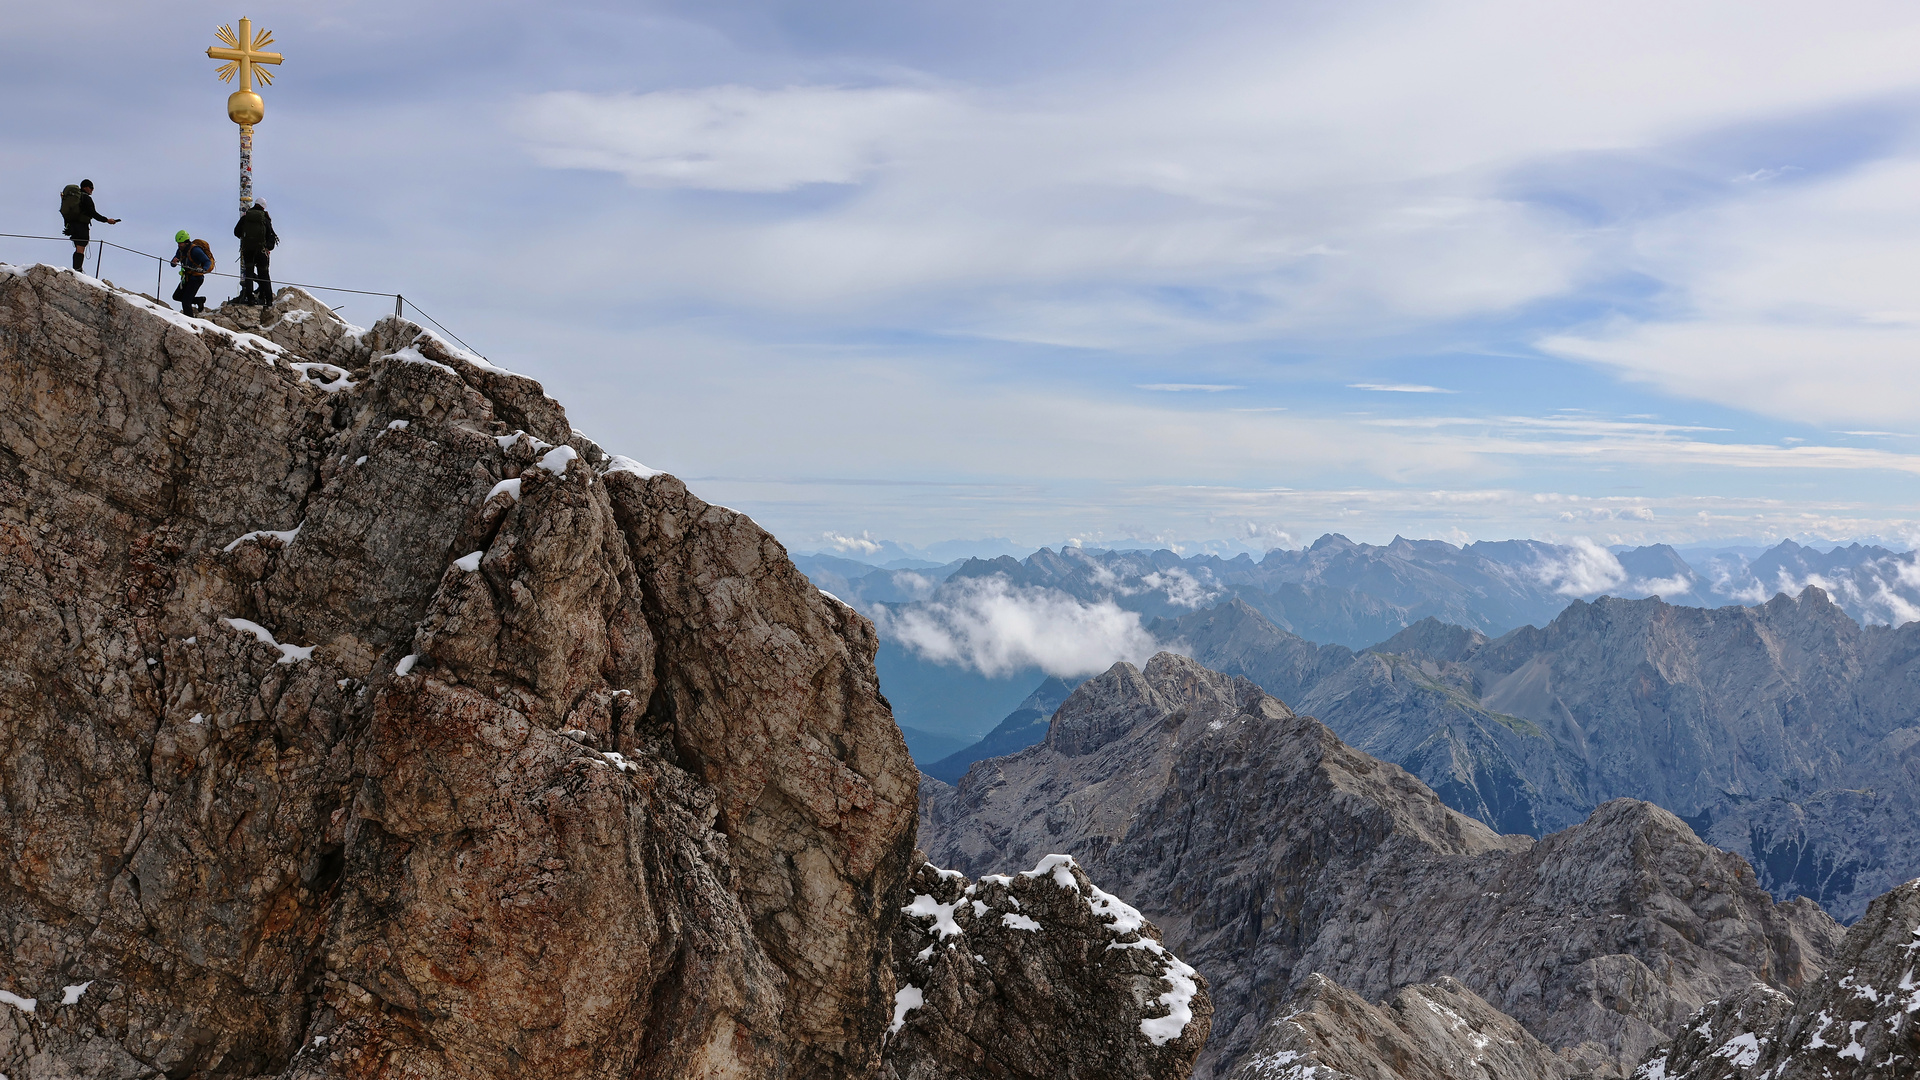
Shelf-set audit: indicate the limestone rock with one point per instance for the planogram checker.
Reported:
(359, 718)
(1267, 851)
(1861, 1021)
(1038, 974)
(1441, 1031)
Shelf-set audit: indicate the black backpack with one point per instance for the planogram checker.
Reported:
(70, 197)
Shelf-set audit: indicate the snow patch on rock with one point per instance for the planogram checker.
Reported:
(285, 536)
(924, 906)
(622, 463)
(905, 1000)
(289, 654)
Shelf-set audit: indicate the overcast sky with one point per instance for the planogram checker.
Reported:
(1063, 270)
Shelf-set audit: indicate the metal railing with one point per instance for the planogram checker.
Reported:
(400, 303)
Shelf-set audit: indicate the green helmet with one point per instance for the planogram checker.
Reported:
(181, 237)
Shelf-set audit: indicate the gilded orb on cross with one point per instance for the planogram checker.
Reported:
(242, 52)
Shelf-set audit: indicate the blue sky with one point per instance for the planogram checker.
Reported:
(1214, 271)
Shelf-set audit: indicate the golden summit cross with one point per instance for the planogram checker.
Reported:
(244, 107)
(242, 52)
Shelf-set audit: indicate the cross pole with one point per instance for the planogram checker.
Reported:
(244, 107)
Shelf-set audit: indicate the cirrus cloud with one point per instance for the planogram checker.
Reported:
(726, 138)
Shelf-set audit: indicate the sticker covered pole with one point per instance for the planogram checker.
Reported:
(244, 52)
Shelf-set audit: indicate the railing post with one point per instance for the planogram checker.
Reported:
(99, 257)
(398, 300)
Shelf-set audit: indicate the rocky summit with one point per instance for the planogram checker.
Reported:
(359, 717)
(1862, 1020)
(1275, 858)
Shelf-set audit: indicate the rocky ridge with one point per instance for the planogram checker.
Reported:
(1268, 851)
(1861, 1021)
(1784, 732)
(361, 718)
(1441, 1031)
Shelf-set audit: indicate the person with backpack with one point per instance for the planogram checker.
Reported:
(195, 260)
(79, 214)
(257, 238)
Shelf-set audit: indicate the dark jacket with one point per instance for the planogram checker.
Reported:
(192, 260)
(255, 230)
(83, 216)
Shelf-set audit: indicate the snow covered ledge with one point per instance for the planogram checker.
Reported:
(1042, 957)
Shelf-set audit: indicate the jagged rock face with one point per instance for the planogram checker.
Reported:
(1408, 701)
(360, 718)
(1039, 975)
(1783, 732)
(1267, 850)
(1862, 1020)
(1441, 1031)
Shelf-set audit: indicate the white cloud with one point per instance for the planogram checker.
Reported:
(1178, 388)
(997, 628)
(865, 544)
(1665, 588)
(917, 586)
(1267, 533)
(1399, 388)
(1607, 513)
(1585, 570)
(1327, 173)
(1182, 588)
(726, 138)
(1883, 591)
(1731, 580)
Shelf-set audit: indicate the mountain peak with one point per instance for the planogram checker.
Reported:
(1432, 638)
(341, 671)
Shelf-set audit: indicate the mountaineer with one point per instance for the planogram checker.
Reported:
(195, 260)
(79, 213)
(257, 238)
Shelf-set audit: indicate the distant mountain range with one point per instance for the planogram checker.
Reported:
(1785, 732)
(1335, 592)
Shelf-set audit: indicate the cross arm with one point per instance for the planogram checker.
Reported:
(218, 53)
